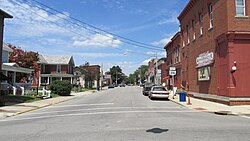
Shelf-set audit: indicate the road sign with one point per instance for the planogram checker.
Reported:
(172, 68)
(172, 72)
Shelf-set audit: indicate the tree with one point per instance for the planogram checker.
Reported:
(117, 75)
(25, 59)
(139, 75)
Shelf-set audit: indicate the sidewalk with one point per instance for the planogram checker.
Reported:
(213, 107)
(7, 111)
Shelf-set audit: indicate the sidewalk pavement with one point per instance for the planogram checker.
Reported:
(213, 107)
(7, 111)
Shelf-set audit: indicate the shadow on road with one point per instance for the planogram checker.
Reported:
(157, 130)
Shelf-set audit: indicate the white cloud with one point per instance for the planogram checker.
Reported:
(98, 55)
(97, 40)
(145, 62)
(170, 19)
(165, 40)
(156, 54)
(162, 42)
(32, 21)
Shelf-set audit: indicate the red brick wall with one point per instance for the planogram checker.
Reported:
(238, 24)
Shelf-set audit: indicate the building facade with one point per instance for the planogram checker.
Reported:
(55, 68)
(215, 40)
(173, 52)
(88, 76)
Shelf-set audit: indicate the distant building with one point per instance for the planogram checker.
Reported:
(88, 76)
(151, 70)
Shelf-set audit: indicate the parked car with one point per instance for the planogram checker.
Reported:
(158, 92)
(146, 88)
(121, 85)
(111, 86)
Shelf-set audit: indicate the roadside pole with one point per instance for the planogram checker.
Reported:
(172, 72)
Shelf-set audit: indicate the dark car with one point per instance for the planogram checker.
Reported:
(121, 85)
(147, 87)
(111, 86)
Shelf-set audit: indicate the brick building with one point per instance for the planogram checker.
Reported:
(215, 40)
(173, 52)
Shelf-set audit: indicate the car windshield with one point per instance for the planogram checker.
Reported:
(159, 89)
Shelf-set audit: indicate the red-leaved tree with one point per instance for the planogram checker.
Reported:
(26, 59)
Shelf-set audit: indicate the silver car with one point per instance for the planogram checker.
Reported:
(158, 92)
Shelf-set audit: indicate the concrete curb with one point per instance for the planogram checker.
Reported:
(228, 113)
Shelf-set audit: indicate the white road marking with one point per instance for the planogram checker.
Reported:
(107, 108)
(96, 113)
(95, 104)
(245, 116)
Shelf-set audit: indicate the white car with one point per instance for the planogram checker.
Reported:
(158, 92)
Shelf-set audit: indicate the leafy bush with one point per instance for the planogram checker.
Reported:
(62, 88)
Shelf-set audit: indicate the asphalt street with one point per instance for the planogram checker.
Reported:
(122, 114)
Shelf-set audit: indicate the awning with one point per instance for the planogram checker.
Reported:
(3, 77)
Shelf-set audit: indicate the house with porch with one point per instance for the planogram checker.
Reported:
(55, 68)
(18, 76)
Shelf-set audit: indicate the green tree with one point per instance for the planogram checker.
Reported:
(117, 74)
(139, 75)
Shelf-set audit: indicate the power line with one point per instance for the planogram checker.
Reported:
(74, 31)
(107, 32)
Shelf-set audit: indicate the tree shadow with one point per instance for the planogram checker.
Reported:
(157, 130)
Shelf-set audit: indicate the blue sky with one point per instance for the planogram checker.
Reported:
(40, 29)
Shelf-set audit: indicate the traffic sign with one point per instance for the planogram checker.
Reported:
(172, 68)
(172, 72)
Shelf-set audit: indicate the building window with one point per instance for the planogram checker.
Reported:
(182, 37)
(58, 68)
(188, 34)
(201, 24)
(211, 15)
(193, 26)
(177, 57)
(240, 8)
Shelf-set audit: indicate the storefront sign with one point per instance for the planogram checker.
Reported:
(204, 73)
(205, 59)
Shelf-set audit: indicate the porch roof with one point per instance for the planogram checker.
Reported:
(15, 68)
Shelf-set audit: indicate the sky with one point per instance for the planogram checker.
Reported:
(125, 33)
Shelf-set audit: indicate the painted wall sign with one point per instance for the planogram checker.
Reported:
(205, 59)
(204, 73)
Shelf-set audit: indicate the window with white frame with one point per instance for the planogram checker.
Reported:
(240, 8)
(177, 55)
(58, 69)
(183, 41)
(210, 8)
(193, 26)
(201, 24)
(188, 35)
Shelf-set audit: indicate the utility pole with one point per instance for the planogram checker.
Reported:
(116, 77)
